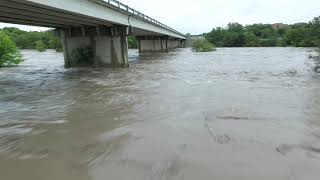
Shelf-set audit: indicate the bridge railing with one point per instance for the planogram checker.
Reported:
(123, 7)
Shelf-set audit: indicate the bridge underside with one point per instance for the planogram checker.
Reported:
(104, 40)
(108, 46)
(21, 12)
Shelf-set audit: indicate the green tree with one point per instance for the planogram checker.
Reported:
(251, 40)
(132, 42)
(8, 51)
(40, 46)
(27, 40)
(216, 36)
(257, 35)
(315, 28)
(203, 45)
(235, 27)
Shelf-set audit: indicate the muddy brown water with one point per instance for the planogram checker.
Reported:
(237, 113)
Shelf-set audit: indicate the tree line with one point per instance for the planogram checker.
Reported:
(13, 39)
(33, 39)
(234, 35)
(265, 35)
(42, 40)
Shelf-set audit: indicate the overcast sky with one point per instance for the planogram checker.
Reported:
(198, 16)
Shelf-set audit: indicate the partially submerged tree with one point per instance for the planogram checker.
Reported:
(8, 51)
(81, 57)
(40, 46)
(55, 44)
(203, 45)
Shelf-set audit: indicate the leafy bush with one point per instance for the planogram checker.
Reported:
(203, 45)
(40, 46)
(132, 42)
(55, 44)
(81, 56)
(8, 51)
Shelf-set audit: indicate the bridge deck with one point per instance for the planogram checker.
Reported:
(78, 13)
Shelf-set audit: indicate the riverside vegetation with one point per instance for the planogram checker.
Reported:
(33, 40)
(8, 51)
(264, 35)
(43, 40)
(202, 45)
(234, 35)
(14, 38)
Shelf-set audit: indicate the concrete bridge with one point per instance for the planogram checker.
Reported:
(100, 26)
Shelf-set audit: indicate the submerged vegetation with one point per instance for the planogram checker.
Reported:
(202, 45)
(8, 51)
(40, 46)
(266, 35)
(81, 56)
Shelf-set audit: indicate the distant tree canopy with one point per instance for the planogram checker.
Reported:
(264, 35)
(29, 40)
(234, 35)
(43, 40)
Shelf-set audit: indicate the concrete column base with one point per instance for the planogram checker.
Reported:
(111, 51)
(108, 48)
(172, 44)
(153, 46)
(69, 46)
(158, 44)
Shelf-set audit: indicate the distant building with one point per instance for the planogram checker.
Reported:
(279, 26)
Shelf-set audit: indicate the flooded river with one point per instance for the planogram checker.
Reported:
(242, 113)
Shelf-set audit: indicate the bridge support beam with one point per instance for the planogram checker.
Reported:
(153, 44)
(95, 46)
(176, 43)
(158, 44)
(172, 44)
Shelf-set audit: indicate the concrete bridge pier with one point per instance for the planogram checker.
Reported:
(95, 46)
(175, 43)
(153, 44)
(182, 43)
(158, 44)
